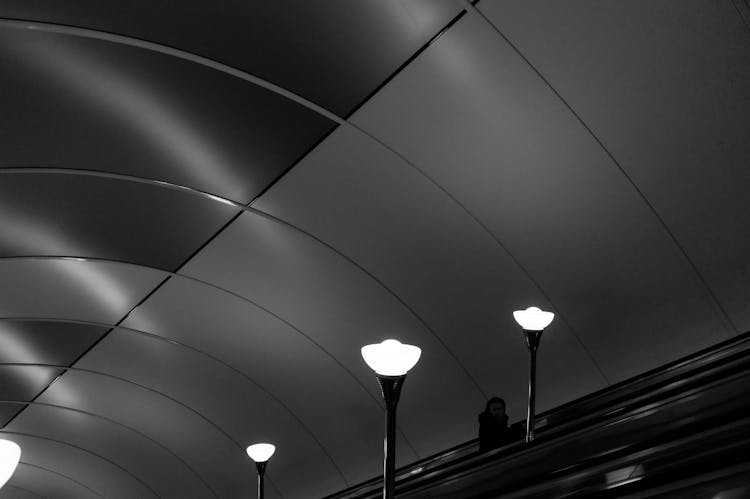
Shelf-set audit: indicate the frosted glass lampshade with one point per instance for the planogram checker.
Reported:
(533, 319)
(391, 357)
(260, 453)
(10, 454)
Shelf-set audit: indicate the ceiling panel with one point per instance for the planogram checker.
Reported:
(334, 53)
(341, 308)
(237, 410)
(50, 483)
(492, 134)
(418, 242)
(66, 215)
(170, 477)
(666, 86)
(108, 478)
(74, 102)
(72, 289)
(267, 351)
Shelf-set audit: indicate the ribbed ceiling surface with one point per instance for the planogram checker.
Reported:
(206, 210)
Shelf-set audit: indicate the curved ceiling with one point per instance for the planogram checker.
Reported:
(206, 211)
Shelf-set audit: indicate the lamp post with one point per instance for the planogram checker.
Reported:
(533, 321)
(10, 454)
(261, 453)
(390, 360)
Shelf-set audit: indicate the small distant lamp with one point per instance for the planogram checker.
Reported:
(532, 321)
(390, 360)
(261, 453)
(10, 454)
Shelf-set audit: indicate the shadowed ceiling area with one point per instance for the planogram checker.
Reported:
(207, 209)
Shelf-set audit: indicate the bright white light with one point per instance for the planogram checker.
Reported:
(260, 453)
(10, 454)
(391, 357)
(533, 319)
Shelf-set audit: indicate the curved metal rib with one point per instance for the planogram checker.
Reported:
(723, 314)
(170, 51)
(121, 425)
(98, 456)
(25, 490)
(66, 477)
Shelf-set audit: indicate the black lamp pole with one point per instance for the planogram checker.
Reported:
(261, 467)
(391, 388)
(532, 342)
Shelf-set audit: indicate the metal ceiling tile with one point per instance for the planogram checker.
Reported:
(264, 350)
(164, 471)
(43, 214)
(419, 243)
(72, 289)
(667, 88)
(341, 308)
(106, 477)
(80, 103)
(490, 132)
(334, 53)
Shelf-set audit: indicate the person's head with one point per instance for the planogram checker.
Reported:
(496, 408)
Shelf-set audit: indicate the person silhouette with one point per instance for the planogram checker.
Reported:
(493, 425)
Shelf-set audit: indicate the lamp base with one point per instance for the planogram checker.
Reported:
(532, 338)
(390, 386)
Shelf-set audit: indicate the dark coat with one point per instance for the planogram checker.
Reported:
(492, 433)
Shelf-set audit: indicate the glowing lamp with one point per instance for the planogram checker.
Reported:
(10, 454)
(391, 357)
(260, 453)
(533, 318)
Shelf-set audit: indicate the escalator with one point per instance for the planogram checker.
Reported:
(680, 431)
